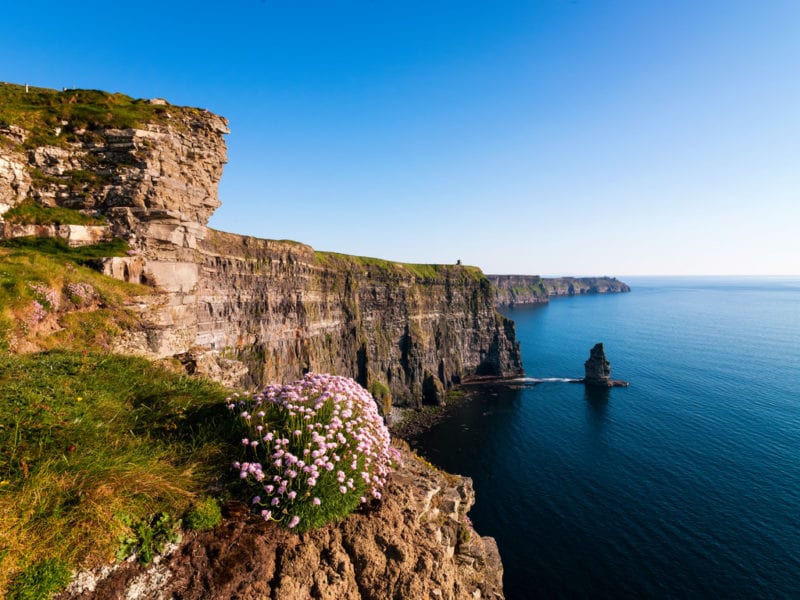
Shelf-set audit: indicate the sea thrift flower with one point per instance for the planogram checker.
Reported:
(320, 433)
(39, 313)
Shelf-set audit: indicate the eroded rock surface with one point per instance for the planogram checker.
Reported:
(598, 369)
(415, 543)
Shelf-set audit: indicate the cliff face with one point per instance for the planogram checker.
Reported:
(241, 310)
(416, 543)
(532, 289)
(283, 309)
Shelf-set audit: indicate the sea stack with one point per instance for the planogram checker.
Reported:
(598, 369)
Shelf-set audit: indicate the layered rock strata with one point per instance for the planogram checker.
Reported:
(417, 542)
(242, 310)
(510, 290)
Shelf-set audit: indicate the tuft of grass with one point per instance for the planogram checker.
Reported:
(39, 580)
(204, 514)
(87, 437)
(30, 212)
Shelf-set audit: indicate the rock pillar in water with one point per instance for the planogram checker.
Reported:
(598, 369)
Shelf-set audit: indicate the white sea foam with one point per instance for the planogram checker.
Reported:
(545, 380)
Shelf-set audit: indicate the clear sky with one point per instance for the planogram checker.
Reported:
(549, 136)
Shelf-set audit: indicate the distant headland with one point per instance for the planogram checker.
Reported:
(510, 290)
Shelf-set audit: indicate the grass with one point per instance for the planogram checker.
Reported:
(40, 580)
(92, 446)
(387, 268)
(30, 212)
(57, 118)
(35, 270)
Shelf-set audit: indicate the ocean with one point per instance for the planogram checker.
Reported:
(684, 485)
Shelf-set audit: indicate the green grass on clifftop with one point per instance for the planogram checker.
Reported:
(43, 111)
(387, 267)
(92, 446)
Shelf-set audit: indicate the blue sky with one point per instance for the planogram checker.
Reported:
(556, 137)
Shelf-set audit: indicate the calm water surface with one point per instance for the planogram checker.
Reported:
(685, 484)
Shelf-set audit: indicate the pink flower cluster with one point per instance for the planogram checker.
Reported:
(45, 294)
(309, 441)
(82, 292)
(39, 312)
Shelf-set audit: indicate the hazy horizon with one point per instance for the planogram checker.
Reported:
(551, 137)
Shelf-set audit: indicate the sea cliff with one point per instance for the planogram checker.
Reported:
(533, 289)
(86, 167)
(241, 310)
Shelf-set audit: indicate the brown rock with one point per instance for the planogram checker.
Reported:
(415, 543)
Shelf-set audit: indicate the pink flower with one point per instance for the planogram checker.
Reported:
(293, 523)
(316, 501)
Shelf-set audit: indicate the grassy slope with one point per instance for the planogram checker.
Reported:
(44, 271)
(89, 442)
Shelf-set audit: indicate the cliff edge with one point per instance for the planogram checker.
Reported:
(241, 310)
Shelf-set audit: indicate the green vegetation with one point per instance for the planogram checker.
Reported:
(30, 212)
(39, 580)
(94, 448)
(204, 514)
(391, 269)
(382, 396)
(59, 248)
(43, 281)
(52, 117)
(329, 420)
(147, 537)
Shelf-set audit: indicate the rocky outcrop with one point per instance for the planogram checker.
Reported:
(417, 542)
(242, 310)
(598, 369)
(532, 289)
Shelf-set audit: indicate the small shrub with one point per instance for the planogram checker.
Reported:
(204, 514)
(80, 293)
(148, 538)
(318, 448)
(464, 533)
(39, 581)
(383, 397)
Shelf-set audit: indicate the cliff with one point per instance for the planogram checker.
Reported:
(532, 289)
(87, 166)
(416, 543)
(241, 310)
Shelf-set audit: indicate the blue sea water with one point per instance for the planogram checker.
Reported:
(684, 485)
